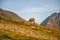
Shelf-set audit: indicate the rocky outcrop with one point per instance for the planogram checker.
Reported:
(52, 21)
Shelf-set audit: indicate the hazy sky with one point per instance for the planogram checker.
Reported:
(38, 9)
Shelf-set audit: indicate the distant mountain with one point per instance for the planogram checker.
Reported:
(52, 21)
(10, 15)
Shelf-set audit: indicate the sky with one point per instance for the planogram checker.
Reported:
(38, 9)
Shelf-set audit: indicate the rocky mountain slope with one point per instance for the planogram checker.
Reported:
(18, 30)
(11, 16)
(52, 21)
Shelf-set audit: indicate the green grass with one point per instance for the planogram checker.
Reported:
(5, 35)
(13, 35)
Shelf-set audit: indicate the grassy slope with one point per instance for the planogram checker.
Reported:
(14, 30)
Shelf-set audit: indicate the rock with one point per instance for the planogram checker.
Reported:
(52, 21)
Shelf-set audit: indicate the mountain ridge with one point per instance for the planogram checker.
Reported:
(53, 20)
(9, 15)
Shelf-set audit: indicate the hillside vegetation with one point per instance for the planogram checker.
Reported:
(15, 30)
(12, 28)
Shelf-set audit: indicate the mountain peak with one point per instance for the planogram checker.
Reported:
(52, 21)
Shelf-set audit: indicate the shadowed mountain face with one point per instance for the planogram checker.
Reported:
(52, 21)
(9, 15)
